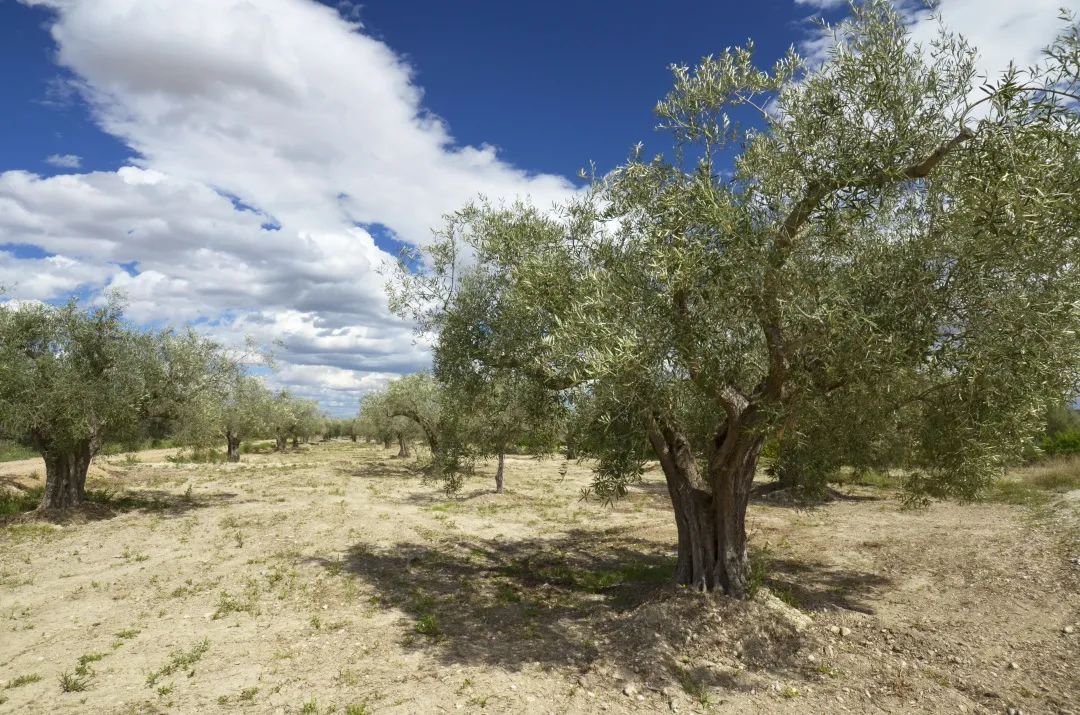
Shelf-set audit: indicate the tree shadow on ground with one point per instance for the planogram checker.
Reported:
(440, 496)
(381, 470)
(104, 504)
(772, 494)
(815, 586)
(564, 601)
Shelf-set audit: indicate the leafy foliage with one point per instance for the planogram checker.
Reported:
(888, 276)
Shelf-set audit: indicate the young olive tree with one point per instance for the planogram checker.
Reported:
(485, 409)
(492, 415)
(891, 263)
(72, 379)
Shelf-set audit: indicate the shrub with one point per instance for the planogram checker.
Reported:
(1061, 443)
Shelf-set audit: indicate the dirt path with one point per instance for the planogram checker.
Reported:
(333, 577)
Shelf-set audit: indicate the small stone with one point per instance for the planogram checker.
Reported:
(641, 698)
(629, 691)
(1013, 666)
(834, 629)
(844, 632)
(1068, 630)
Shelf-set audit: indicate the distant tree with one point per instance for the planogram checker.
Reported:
(894, 252)
(379, 421)
(416, 398)
(231, 405)
(236, 409)
(494, 415)
(292, 418)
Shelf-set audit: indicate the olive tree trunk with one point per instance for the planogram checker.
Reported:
(499, 472)
(65, 476)
(403, 447)
(279, 443)
(295, 442)
(232, 445)
(710, 511)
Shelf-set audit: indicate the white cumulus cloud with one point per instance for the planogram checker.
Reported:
(266, 136)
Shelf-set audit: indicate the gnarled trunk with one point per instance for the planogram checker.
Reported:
(499, 473)
(352, 438)
(65, 476)
(279, 443)
(403, 447)
(710, 513)
(295, 442)
(386, 443)
(232, 445)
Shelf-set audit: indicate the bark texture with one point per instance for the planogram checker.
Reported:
(710, 509)
(65, 476)
(403, 447)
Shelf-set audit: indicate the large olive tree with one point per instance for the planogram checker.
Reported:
(72, 379)
(888, 255)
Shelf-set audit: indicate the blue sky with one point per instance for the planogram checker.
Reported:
(247, 164)
(552, 85)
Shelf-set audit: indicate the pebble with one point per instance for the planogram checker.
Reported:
(629, 691)
(1068, 630)
(1013, 666)
(844, 632)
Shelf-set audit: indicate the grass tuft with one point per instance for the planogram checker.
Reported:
(22, 680)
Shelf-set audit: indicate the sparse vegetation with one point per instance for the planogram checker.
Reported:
(180, 661)
(74, 682)
(22, 680)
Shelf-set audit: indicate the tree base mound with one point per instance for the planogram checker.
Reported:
(684, 642)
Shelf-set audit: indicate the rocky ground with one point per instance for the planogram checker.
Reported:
(333, 579)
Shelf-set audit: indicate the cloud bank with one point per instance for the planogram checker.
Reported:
(264, 137)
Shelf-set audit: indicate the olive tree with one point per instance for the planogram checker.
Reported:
(416, 398)
(485, 408)
(496, 413)
(381, 420)
(890, 263)
(72, 379)
(237, 408)
(292, 418)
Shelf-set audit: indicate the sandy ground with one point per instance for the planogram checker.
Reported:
(333, 579)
